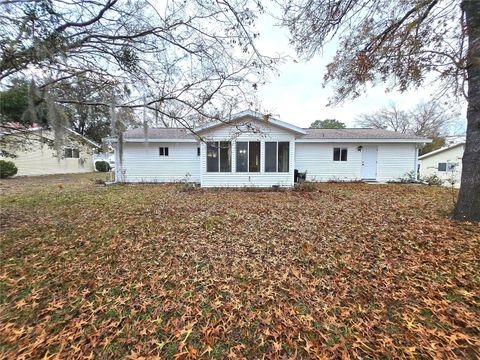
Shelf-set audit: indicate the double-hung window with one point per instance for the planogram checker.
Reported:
(277, 156)
(219, 156)
(248, 156)
(71, 153)
(163, 151)
(340, 154)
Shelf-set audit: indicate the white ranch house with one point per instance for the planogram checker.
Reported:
(255, 151)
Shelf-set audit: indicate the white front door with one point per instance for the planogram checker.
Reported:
(369, 162)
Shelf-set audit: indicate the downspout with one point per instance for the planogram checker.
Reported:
(417, 149)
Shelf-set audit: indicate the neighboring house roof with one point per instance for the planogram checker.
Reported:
(32, 129)
(93, 143)
(438, 151)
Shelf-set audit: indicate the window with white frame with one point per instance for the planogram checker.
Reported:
(219, 156)
(163, 151)
(248, 156)
(71, 153)
(340, 154)
(277, 156)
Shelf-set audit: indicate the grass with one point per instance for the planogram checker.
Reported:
(150, 270)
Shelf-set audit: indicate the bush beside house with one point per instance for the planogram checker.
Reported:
(7, 169)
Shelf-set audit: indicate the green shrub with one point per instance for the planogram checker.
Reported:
(305, 186)
(408, 178)
(102, 166)
(7, 169)
(432, 180)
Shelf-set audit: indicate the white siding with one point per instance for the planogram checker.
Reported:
(429, 165)
(40, 159)
(393, 161)
(142, 163)
(317, 160)
(261, 132)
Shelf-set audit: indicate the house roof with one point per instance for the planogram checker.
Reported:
(357, 133)
(159, 133)
(434, 152)
(255, 115)
(37, 128)
(304, 135)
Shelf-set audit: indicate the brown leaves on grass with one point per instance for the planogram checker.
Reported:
(146, 271)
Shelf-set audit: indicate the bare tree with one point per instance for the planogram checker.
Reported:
(399, 43)
(389, 117)
(180, 60)
(427, 119)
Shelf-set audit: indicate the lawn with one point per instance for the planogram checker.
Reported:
(349, 270)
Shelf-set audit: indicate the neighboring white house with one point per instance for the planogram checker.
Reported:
(253, 150)
(446, 163)
(39, 158)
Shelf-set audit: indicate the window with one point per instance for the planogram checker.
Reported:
(283, 156)
(71, 153)
(248, 156)
(219, 156)
(163, 151)
(340, 154)
(442, 166)
(277, 156)
(198, 151)
(254, 156)
(242, 156)
(270, 157)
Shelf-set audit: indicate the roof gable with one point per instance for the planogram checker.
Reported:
(249, 114)
(438, 151)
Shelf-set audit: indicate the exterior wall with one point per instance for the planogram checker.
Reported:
(260, 132)
(40, 159)
(316, 159)
(142, 163)
(393, 161)
(429, 165)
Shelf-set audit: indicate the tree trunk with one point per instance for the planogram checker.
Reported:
(468, 204)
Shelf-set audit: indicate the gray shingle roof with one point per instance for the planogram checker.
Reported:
(356, 133)
(352, 133)
(159, 133)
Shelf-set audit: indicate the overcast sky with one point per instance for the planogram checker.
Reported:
(297, 96)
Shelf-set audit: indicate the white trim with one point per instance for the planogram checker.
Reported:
(159, 140)
(379, 140)
(434, 152)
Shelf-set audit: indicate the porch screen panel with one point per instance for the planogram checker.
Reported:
(283, 156)
(225, 156)
(242, 156)
(254, 156)
(212, 157)
(270, 157)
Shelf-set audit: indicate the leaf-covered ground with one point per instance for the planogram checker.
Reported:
(351, 270)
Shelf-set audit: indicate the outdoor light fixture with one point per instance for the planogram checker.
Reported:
(360, 148)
